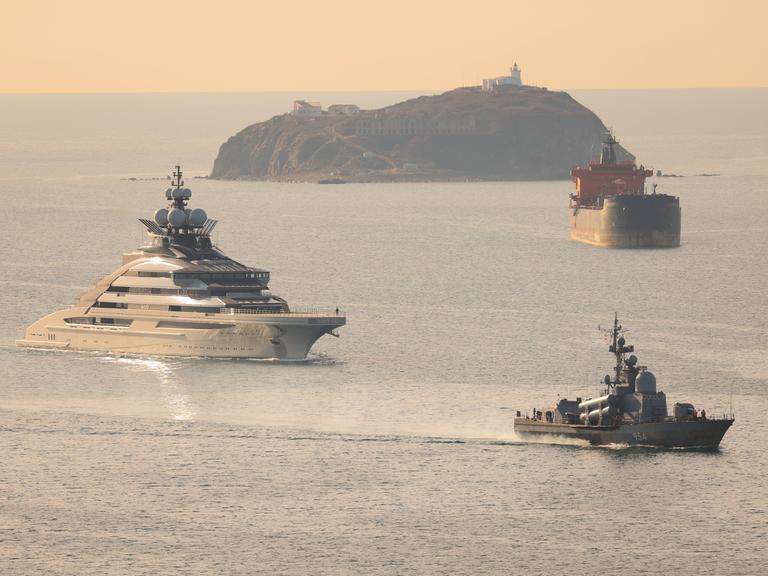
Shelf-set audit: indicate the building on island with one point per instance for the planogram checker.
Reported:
(344, 109)
(451, 125)
(514, 79)
(304, 108)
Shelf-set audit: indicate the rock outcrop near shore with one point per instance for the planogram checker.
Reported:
(517, 133)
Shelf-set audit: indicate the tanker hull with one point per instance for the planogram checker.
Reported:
(666, 434)
(631, 221)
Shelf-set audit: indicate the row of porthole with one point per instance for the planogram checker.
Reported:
(207, 348)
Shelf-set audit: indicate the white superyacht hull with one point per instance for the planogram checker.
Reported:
(180, 295)
(285, 336)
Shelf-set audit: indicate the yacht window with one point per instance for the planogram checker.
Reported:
(112, 321)
(207, 310)
(79, 320)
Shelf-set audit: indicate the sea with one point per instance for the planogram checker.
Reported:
(391, 450)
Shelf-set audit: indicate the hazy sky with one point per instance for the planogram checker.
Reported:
(256, 45)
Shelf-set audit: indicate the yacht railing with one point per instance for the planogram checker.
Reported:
(295, 312)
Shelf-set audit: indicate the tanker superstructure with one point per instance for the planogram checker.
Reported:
(611, 208)
(631, 410)
(180, 295)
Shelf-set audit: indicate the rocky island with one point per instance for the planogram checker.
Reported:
(496, 132)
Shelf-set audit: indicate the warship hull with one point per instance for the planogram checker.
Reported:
(630, 221)
(667, 434)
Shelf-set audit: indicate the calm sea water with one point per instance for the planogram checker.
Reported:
(391, 451)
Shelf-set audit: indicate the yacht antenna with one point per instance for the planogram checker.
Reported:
(177, 181)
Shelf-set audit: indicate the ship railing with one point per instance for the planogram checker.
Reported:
(725, 415)
(294, 312)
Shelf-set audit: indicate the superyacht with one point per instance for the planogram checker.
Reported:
(180, 295)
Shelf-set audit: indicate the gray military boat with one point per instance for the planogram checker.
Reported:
(630, 411)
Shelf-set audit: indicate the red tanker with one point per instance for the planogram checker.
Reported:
(608, 177)
(610, 207)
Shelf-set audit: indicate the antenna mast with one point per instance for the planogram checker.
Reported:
(177, 181)
(618, 347)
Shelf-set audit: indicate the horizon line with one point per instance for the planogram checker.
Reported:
(366, 91)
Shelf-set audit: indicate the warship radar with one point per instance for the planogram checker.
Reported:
(180, 295)
(631, 411)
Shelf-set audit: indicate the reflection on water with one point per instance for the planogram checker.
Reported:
(178, 402)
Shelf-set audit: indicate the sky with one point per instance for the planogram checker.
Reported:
(268, 45)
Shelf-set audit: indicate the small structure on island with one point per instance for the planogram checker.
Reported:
(304, 108)
(344, 109)
(514, 79)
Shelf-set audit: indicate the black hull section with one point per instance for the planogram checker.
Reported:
(632, 221)
(666, 434)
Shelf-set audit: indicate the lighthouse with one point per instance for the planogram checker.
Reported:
(514, 76)
(514, 79)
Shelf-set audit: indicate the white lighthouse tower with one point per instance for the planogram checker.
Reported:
(514, 79)
(514, 76)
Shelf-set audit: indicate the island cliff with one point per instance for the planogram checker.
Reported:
(514, 133)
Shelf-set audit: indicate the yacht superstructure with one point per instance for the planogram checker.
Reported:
(182, 296)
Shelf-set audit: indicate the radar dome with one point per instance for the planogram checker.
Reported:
(197, 217)
(646, 383)
(169, 193)
(177, 217)
(632, 360)
(161, 217)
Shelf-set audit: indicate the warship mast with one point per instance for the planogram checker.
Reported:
(619, 347)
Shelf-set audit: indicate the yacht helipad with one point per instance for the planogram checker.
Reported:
(180, 295)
